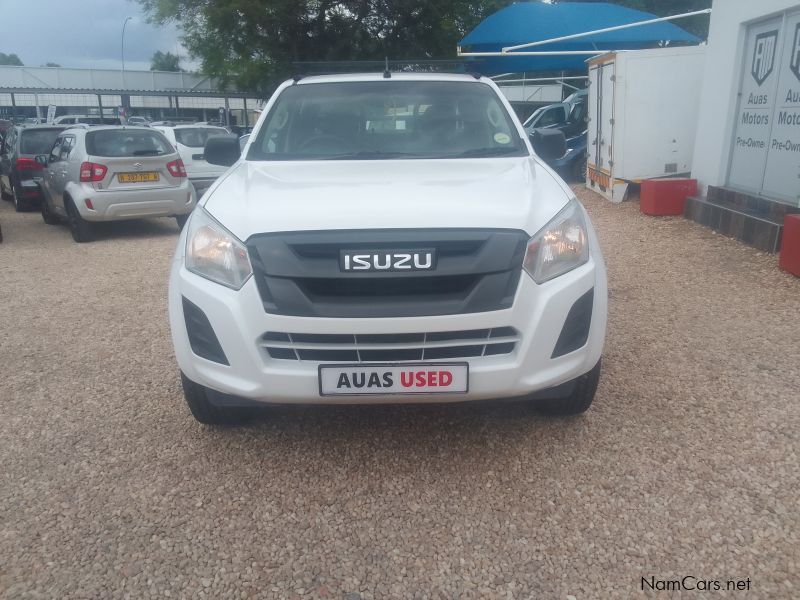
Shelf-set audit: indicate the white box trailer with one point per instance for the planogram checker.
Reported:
(643, 107)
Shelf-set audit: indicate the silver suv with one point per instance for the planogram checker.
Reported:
(110, 174)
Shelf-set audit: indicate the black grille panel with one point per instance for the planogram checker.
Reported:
(476, 270)
(390, 347)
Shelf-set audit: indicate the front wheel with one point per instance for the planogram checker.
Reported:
(19, 204)
(81, 230)
(3, 194)
(579, 170)
(207, 413)
(47, 215)
(578, 401)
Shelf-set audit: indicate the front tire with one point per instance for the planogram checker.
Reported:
(207, 413)
(81, 230)
(47, 215)
(578, 401)
(579, 170)
(19, 204)
(3, 194)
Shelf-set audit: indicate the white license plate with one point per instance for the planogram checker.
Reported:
(394, 379)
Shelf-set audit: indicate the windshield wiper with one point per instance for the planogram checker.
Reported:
(147, 152)
(484, 152)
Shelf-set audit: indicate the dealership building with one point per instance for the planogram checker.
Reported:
(747, 148)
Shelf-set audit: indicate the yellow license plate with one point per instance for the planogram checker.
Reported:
(137, 177)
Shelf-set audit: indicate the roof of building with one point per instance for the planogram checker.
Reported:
(109, 81)
(526, 22)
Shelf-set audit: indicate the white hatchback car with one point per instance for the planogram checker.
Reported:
(190, 141)
(382, 240)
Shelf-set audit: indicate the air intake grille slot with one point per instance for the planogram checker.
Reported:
(437, 345)
(202, 338)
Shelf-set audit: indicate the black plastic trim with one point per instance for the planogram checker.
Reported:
(575, 331)
(202, 338)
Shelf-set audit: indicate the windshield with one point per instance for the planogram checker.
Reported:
(37, 141)
(196, 137)
(532, 118)
(127, 142)
(386, 119)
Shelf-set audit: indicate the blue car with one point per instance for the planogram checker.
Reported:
(572, 166)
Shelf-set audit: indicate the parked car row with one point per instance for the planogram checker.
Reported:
(82, 175)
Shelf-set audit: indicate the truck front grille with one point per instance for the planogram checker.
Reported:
(299, 274)
(389, 347)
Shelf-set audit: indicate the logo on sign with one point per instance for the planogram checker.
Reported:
(764, 55)
(794, 61)
(413, 260)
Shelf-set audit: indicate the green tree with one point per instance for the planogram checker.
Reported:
(51, 64)
(165, 61)
(10, 59)
(254, 42)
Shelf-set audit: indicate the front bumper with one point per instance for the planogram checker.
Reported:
(239, 320)
(133, 204)
(29, 190)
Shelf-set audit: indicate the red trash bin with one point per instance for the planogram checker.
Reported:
(790, 245)
(664, 197)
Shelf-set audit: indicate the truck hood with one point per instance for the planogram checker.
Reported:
(504, 193)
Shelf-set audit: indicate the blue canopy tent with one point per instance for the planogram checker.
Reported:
(526, 22)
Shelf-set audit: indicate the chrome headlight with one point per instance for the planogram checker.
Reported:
(215, 253)
(560, 246)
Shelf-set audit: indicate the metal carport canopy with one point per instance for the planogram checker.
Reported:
(526, 22)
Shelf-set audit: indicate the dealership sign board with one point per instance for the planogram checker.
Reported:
(765, 158)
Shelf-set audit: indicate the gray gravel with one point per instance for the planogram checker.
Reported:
(687, 464)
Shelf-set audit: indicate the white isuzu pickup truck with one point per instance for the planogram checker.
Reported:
(387, 238)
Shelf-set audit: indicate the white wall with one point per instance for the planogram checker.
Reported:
(721, 81)
(531, 92)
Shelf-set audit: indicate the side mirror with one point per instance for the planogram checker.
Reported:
(549, 144)
(222, 150)
(41, 159)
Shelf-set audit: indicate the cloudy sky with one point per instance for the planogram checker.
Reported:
(84, 33)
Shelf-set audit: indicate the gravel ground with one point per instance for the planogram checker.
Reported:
(687, 463)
